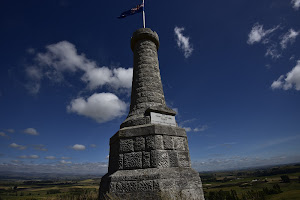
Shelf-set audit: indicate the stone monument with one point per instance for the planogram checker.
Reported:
(149, 156)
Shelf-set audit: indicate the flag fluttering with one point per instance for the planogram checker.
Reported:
(139, 8)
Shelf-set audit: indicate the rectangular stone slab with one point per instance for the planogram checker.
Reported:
(157, 118)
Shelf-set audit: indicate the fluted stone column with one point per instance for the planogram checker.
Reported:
(149, 157)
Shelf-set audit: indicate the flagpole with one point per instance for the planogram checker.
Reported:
(144, 21)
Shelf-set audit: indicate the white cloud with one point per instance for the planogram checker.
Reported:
(10, 130)
(50, 157)
(258, 33)
(63, 57)
(272, 51)
(29, 157)
(31, 131)
(201, 128)
(78, 147)
(35, 75)
(116, 78)
(183, 42)
(65, 158)
(290, 80)
(3, 134)
(93, 145)
(65, 162)
(289, 37)
(187, 129)
(17, 146)
(296, 4)
(101, 107)
(40, 147)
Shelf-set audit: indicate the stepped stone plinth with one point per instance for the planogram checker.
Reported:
(149, 156)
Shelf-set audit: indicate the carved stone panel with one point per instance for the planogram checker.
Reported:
(133, 160)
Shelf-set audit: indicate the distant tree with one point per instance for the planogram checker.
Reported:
(15, 188)
(285, 178)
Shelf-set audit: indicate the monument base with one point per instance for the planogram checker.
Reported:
(150, 161)
(152, 183)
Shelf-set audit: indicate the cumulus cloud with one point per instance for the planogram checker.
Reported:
(65, 158)
(50, 157)
(258, 33)
(183, 42)
(31, 131)
(78, 147)
(296, 4)
(289, 37)
(93, 145)
(201, 128)
(116, 78)
(35, 75)
(101, 107)
(10, 130)
(63, 57)
(17, 146)
(290, 80)
(3, 134)
(40, 147)
(65, 162)
(187, 129)
(29, 157)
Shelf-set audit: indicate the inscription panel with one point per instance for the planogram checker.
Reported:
(157, 118)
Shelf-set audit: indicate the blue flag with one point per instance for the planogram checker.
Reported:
(132, 11)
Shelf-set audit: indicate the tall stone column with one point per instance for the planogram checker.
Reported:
(149, 156)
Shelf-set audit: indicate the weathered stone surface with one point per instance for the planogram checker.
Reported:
(146, 160)
(161, 185)
(173, 159)
(179, 143)
(133, 160)
(149, 161)
(139, 144)
(146, 78)
(184, 159)
(126, 145)
(168, 142)
(145, 186)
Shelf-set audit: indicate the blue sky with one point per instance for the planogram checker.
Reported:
(230, 68)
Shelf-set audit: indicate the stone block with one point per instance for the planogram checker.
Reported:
(168, 184)
(146, 160)
(179, 143)
(126, 145)
(168, 142)
(128, 186)
(133, 160)
(173, 158)
(154, 142)
(159, 159)
(145, 186)
(139, 144)
(121, 161)
(183, 159)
